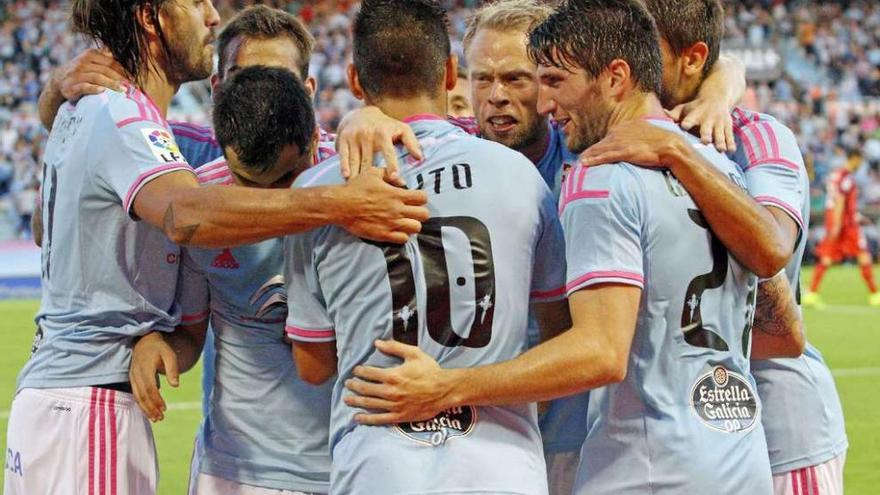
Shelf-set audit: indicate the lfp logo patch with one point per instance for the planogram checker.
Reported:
(162, 145)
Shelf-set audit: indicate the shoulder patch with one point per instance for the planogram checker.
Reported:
(162, 145)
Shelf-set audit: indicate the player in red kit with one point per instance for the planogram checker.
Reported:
(843, 236)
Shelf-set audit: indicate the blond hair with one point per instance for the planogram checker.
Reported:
(505, 15)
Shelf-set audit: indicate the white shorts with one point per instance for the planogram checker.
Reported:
(79, 441)
(561, 470)
(822, 479)
(212, 485)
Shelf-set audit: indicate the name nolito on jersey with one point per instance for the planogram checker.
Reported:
(451, 423)
(724, 401)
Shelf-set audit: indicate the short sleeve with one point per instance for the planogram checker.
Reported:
(602, 220)
(307, 318)
(138, 152)
(773, 166)
(193, 295)
(548, 269)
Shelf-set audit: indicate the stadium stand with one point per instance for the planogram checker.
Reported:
(814, 65)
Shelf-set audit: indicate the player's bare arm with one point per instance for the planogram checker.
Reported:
(593, 353)
(315, 361)
(218, 216)
(778, 327)
(89, 73)
(163, 353)
(754, 235)
(365, 131)
(709, 112)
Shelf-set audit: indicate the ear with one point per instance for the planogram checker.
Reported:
(451, 72)
(619, 78)
(315, 138)
(215, 81)
(311, 86)
(144, 16)
(694, 58)
(354, 82)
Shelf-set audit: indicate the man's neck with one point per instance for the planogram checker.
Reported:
(535, 150)
(159, 89)
(401, 108)
(636, 106)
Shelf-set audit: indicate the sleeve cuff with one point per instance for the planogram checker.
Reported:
(189, 319)
(548, 296)
(605, 277)
(301, 334)
(149, 175)
(791, 211)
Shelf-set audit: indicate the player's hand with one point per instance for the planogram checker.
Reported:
(637, 141)
(412, 391)
(152, 355)
(89, 73)
(365, 131)
(712, 119)
(375, 210)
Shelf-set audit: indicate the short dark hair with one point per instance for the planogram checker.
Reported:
(682, 23)
(590, 34)
(262, 23)
(114, 25)
(400, 47)
(259, 111)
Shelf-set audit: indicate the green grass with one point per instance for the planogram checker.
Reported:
(847, 332)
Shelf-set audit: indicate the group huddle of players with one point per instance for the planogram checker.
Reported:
(392, 329)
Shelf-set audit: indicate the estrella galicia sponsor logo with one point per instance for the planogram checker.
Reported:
(451, 423)
(724, 401)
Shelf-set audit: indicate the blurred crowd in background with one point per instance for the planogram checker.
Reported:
(814, 65)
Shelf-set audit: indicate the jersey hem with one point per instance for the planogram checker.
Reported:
(810, 460)
(148, 176)
(89, 381)
(605, 277)
(777, 203)
(265, 482)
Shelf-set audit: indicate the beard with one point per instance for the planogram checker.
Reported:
(588, 129)
(188, 58)
(527, 134)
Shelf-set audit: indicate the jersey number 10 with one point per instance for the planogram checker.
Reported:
(438, 305)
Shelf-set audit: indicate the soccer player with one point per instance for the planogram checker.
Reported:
(258, 35)
(843, 235)
(116, 190)
(282, 444)
(460, 290)
(661, 311)
(807, 443)
(504, 90)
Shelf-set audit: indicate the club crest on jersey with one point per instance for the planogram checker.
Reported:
(724, 401)
(451, 423)
(162, 145)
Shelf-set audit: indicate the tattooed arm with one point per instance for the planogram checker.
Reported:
(778, 327)
(223, 216)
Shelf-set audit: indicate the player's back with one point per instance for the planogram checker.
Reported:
(459, 290)
(686, 417)
(106, 276)
(770, 158)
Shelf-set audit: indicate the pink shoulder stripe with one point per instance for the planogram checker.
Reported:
(771, 137)
(586, 194)
(309, 333)
(191, 127)
(202, 138)
(747, 144)
(131, 120)
(624, 277)
(150, 175)
(219, 174)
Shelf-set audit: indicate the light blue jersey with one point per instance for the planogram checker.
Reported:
(803, 419)
(107, 277)
(686, 419)
(199, 146)
(265, 427)
(460, 290)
